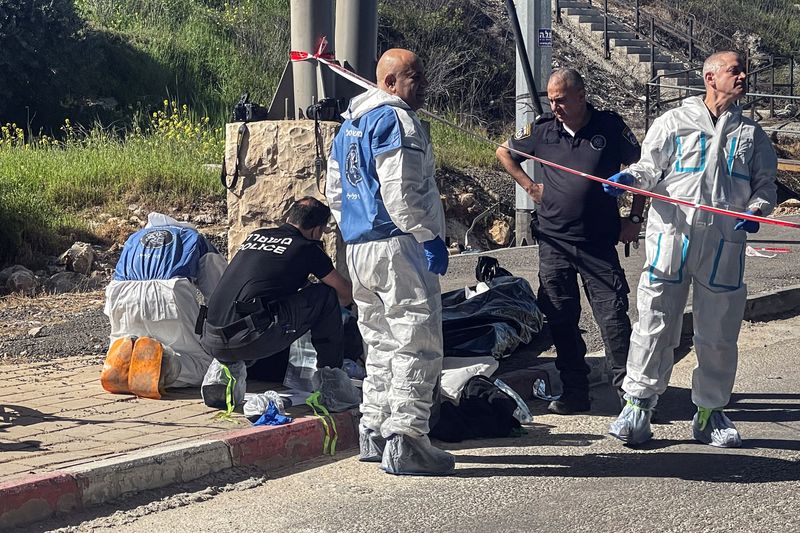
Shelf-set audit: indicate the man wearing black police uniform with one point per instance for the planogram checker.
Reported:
(263, 302)
(578, 229)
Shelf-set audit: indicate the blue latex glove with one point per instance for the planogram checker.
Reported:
(750, 226)
(620, 177)
(437, 255)
(272, 417)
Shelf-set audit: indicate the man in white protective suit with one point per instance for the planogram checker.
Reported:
(152, 303)
(705, 152)
(382, 192)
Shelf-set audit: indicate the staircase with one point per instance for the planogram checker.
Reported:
(628, 52)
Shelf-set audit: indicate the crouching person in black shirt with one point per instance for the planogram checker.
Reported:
(264, 302)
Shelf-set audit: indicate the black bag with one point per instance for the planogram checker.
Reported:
(492, 323)
(246, 111)
(484, 411)
(489, 268)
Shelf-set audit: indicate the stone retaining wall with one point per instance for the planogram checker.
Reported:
(276, 167)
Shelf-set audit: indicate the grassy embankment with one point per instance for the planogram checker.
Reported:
(203, 53)
(50, 187)
(136, 52)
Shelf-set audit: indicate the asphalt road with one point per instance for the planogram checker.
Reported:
(564, 475)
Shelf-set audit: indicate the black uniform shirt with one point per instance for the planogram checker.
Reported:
(270, 263)
(573, 207)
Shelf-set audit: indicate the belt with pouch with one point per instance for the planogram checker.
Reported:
(259, 313)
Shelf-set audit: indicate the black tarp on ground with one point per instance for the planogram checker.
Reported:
(492, 323)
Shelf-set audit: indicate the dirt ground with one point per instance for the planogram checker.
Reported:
(42, 328)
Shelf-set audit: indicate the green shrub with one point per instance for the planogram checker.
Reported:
(457, 149)
(777, 22)
(49, 183)
(469, 57)
(30, 225)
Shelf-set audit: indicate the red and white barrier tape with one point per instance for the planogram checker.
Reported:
(365, 83)
(322, 44)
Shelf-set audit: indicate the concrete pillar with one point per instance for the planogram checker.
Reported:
(535, 18)
(356, 42)
(311, 21)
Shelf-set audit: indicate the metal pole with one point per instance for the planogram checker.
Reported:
(791, 76)
(523, 56)
(691, 39)
(558, 11)
(687, 92)
(652, 48)
(772, 91)
(637, 19)
(646, 107)
(356, 42)
(535, 21)
(605, 29)
(311, 21)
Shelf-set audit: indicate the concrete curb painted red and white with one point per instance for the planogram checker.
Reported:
(42, 496)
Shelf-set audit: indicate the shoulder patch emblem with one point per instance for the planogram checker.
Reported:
(598, 142)
(156, 239)
(523, 132)
(629, 136)
(351, 166)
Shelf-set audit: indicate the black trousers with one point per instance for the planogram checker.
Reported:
(314, 308)
(605, 286)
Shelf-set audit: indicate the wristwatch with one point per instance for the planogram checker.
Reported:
(636, 219)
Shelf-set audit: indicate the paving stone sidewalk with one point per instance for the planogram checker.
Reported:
(56, 414)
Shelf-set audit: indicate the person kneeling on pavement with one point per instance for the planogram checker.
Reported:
(152, 305)
(264, 301)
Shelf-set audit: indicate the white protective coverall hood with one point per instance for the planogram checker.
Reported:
(398, 299)
(407, 182)
(166, 310)
(732, 165)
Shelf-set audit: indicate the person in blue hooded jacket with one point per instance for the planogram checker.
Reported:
(382, 192)
(152, 304)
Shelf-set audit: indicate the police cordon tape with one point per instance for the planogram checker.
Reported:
(326, 60)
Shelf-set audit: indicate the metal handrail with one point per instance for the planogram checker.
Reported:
(773, 96)
(655, 84)
(693, 24)
(754, 97)
(707, 28)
